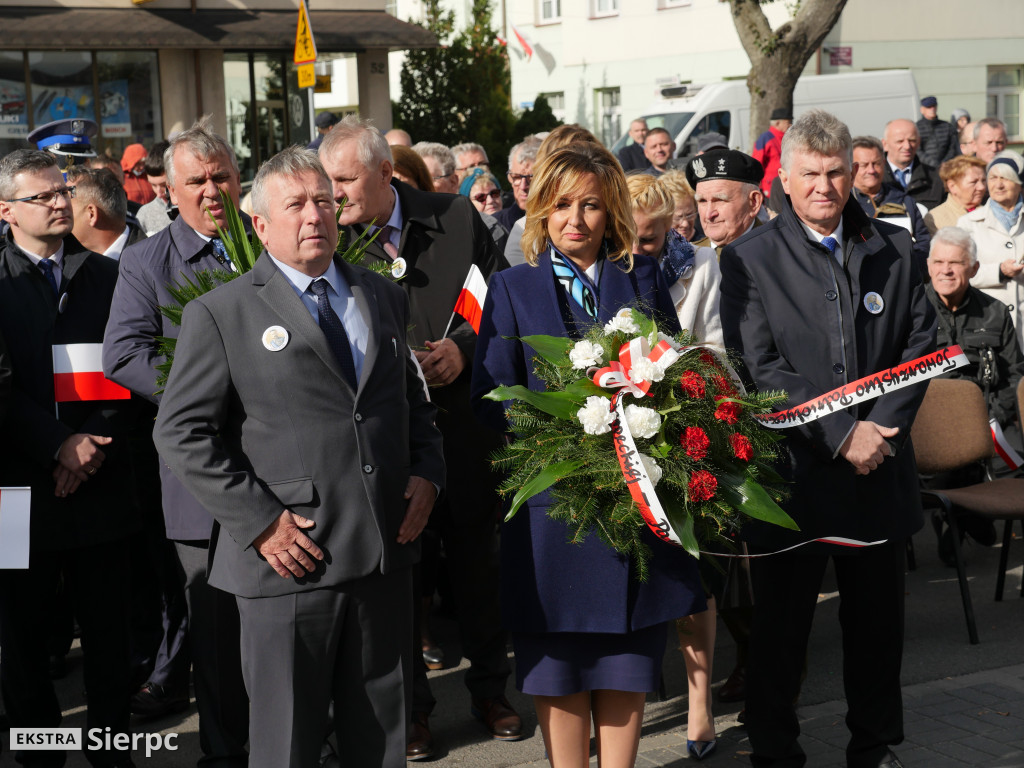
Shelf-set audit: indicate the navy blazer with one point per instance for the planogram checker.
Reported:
(547, 583)
(146, 271)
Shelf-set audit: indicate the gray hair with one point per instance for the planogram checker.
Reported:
(202, 142)
(525, 151)
(101, 188)
(21, 161)
(819, 132)
(439, 152)
(991, 122)
(868, 142)
(958, 238)
(469, 146)
(292, 161)
(372, 148)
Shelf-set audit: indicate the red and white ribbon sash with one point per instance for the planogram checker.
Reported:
(839, 540)
(619, 374)
(868, 388)
(1005, 451)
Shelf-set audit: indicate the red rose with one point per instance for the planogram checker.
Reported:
(696, 443)
(741, 446)
(728, 411)
(692, 384)
(707, 358)
(724, 385)
(702, 485)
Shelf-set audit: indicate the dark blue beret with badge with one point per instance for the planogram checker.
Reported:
(724, 164)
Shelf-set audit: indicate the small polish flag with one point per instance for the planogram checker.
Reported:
(471, 298)
(523, 42)
(1003, 448)
(78, 375)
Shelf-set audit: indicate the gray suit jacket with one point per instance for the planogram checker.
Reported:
(130, 357)
(251, 431)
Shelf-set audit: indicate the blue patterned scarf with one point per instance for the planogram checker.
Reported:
(578, 287)
(677, 260)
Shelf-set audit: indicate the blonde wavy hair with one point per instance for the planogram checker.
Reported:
(651, 196)
(561, 174)
(675, 182)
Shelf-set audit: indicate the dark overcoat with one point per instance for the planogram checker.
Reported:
(799, 323)
(442, 236)
(102, 509)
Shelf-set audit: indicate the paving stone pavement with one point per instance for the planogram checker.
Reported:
(964, 704)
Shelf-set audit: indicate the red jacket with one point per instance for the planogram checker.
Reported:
(768, 151)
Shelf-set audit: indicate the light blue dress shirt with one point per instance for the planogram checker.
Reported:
(342, 302)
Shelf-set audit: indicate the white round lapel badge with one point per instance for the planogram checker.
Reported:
(398, 268)
(275, 338)
(873, 303)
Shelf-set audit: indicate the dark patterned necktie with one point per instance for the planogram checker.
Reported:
(46, 265)
(220, 253)
(334, 330)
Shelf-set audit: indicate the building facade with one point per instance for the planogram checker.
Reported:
(144, 71)
(601, 62)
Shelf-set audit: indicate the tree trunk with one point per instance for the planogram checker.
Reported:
(777, 57)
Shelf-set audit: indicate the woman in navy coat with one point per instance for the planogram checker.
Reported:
(589, 638)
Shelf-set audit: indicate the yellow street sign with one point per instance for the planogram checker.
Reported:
(305, 46)
(307, 77)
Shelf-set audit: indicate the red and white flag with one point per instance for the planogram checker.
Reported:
(471, 299)
(78, 375)
(523, 41)
(1003, 448)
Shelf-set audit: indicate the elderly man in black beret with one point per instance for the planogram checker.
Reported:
(726, 186)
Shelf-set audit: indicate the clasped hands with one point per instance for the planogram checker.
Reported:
(78, 459)
(867, 445)
(291, 552)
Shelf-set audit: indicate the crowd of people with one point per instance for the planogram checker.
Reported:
(268, 530)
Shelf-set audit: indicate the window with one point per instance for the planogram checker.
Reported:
(13, 102)
(550, 11)
(599, 8)
(557, 103)
(1004, 98)
(609, 115)
(666, 4)
(129, 99)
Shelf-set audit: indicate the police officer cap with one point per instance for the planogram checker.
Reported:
(728, 164)
(66, 137)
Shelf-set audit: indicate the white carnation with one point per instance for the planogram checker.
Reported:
(585, 354)
(651, 468)
(642, 422)
(621, 323)
(595, 416)
(646, 369)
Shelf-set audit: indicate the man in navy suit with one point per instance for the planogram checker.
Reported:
(818, 297)
(199, 164)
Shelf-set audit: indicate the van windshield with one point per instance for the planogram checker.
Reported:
(672, 122)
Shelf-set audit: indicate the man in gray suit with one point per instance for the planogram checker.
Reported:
(315, 450)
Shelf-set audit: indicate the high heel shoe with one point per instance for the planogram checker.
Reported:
(700, 749)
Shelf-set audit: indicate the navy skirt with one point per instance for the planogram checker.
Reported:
(563, 663)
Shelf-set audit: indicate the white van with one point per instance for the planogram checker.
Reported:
(865, 101)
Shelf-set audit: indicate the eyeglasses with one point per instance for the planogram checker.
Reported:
(474, 166)
(447, 175)
(46, 198)
(494, 194)
(519, 178)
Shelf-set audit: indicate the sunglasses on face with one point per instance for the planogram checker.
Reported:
(494, 194)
